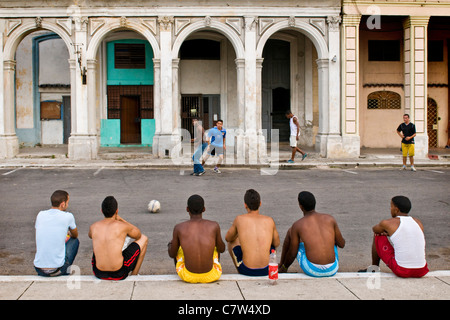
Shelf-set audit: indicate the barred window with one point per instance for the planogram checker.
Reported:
(384, 100)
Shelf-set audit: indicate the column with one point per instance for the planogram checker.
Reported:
(239, 144)
(165, 142)
(350, 84)
(416, 79)
(156, 104)
(322, 135)
(82, 142)
(9, 143)
(250, 88)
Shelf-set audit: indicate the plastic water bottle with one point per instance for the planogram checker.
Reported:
(273, 268)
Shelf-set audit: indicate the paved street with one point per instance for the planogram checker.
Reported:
(358, 199)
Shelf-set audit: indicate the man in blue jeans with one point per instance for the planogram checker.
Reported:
(199, 146)
(56, 238)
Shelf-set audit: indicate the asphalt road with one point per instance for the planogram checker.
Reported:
(357, 198)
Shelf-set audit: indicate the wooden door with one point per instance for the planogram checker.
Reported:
(130, 120)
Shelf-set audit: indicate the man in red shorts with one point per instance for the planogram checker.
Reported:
(110, 260)
(400, 242)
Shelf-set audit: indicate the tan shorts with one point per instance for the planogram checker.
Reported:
(293, 141)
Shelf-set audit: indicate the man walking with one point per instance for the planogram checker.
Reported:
(294, 136)
(56, 238)
(407, 131)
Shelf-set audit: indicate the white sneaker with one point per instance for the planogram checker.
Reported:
(403, 168)
(216, 170)
(413, 169)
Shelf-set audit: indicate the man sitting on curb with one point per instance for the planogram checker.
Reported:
(251, 238)
(196, 245)
(110, 260)
(400, 242)
(313, 239)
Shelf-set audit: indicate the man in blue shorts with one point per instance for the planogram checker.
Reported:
(216, 142)
(313, 240)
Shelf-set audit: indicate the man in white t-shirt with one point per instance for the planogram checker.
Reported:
(56, 238)
(295, 134)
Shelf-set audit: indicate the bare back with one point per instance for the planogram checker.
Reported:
(256, 235)
(198, 238)
(319, 233)
(108, 237)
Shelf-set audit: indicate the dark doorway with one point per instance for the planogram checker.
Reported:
(130, 120)
(66, 119)
(281, 101)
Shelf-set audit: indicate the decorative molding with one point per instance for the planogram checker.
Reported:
(250, 23)
(165, 23)
(180, 24)
(371, 85)
(235, 23)
(12, 24)
(96, 24)
(291, 21)
(207, 21)
(333, 22)
(319, 24)
(151, 24)
(38, 21)
(66, 24)
(123, 21)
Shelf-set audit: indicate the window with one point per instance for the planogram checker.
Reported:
(435, 50)
(384, 100)
(200, 50)
(384, 50)
(129, 56)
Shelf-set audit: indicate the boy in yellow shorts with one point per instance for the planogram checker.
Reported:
(196, 245)
(407, 131)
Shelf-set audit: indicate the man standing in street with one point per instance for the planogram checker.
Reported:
(407, 131)
(294, 136)
(216, 143)
(56, 238)
(199, 147)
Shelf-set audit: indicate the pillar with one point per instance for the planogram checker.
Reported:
(416, 79)
(350, 84)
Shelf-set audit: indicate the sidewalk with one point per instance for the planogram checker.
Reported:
(291, 286)
(142, 157)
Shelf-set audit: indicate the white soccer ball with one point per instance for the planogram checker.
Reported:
(154, 206)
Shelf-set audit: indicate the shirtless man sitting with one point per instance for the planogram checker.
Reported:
(109, 262)
(251, 238)
(313, 240)
(196, 245)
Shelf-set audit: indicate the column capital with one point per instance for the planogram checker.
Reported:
(351, 19)
(322, 63)
(416, 21)
(9, 65)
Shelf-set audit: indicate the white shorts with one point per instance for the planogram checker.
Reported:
(293, 141)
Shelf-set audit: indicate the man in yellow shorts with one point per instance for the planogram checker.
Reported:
(407, 131)
(196, 245)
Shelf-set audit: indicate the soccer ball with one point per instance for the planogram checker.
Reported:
(154, 206)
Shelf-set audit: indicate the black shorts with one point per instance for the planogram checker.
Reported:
(130, 258)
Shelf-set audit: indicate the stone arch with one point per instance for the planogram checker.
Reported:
(23, 30)
(307, 29)
(228, 32)
(116, 25)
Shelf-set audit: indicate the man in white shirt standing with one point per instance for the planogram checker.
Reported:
(295, 134)
(56, 238)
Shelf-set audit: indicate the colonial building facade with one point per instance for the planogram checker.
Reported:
(109, 73)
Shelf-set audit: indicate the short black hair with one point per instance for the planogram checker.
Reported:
(307, 200)
(288, 112)
(58, 197)
(252, 199)
(219, 120)
(109, 206)
(402, 203)
(196, 204)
